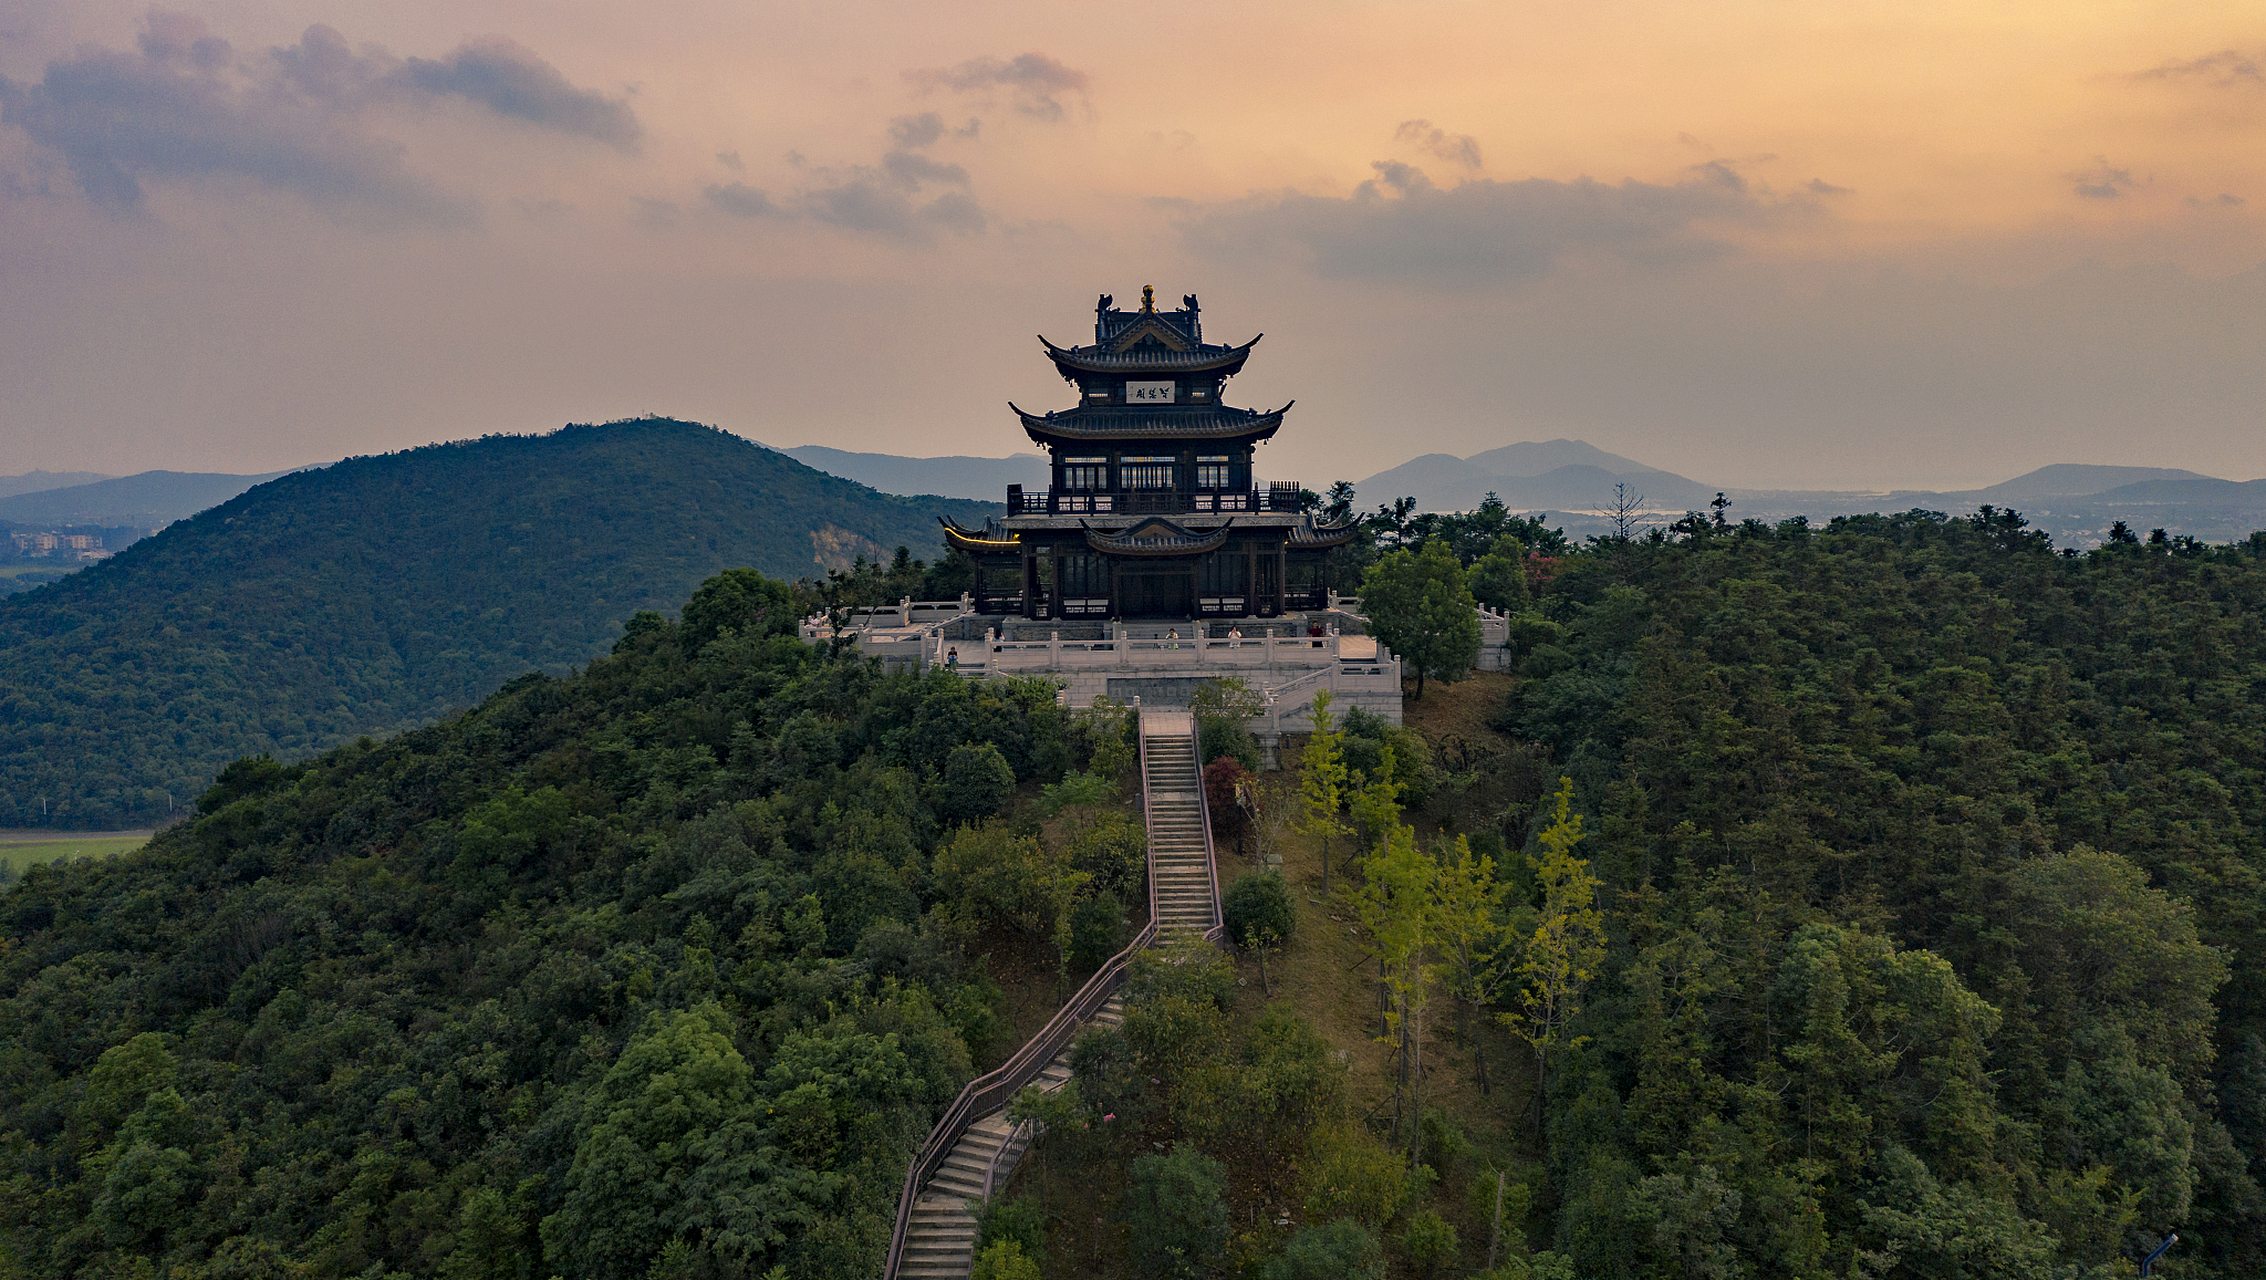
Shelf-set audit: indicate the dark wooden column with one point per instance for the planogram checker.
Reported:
(1030, 582)
(1282, 575)
(1054, 600)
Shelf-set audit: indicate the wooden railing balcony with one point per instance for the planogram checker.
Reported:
(1281, 495)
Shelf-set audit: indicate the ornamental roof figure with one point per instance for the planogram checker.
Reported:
(1149, 376)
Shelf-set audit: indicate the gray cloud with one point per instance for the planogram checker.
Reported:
(2225, 69)
(173, 111)
(878, 203)
(492, 72)
(742, 201)
(913, 132)
(182, 38)
(881, 200)
(1820, 187)
(1037, 82)
(957, 212)
(512, 82)
(1460, 148)
(2102, 182)
(188, 106)
(912, 171)
(1399, 226)
(322, 68)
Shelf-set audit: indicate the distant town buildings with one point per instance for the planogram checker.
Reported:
(63, 544)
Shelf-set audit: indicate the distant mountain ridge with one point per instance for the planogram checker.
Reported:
(41, 481)
(2076, 503)
(148, 500)
(982, 479)
(2071, 479)
(1565, 475)
(376, 593)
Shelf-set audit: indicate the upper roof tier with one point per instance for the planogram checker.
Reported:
(1148, 341)
(1150, 358)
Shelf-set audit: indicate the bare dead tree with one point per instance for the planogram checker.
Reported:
(1627, 508)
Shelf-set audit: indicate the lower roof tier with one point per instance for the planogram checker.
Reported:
(1070, 428)
(1147, 537)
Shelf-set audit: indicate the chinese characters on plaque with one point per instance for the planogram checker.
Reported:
(1149, 392)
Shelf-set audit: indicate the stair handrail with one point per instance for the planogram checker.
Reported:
(989, 1092)
(1218, 932)
(1148, 818)
(993, 1089)
(1031, 1128)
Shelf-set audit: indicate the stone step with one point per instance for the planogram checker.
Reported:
(959, 1185)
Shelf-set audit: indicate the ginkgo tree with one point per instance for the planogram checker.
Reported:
(1470, 934)
(1433, 919)
(1562, 954)
(1394, 904)
(1322, 779)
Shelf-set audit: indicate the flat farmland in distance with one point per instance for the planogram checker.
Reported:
(21, 850)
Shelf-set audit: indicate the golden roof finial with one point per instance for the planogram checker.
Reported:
(1148, 299)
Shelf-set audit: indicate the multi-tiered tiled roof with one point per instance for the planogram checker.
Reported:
(1149, 376)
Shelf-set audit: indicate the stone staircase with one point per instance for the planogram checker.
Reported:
(942, 1241)
(1179, 855)
(940, 1232)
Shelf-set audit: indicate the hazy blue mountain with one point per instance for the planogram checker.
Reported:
(983, 479)
(1422, 475)
(2075, 503)
(40, 481)
(146, 501)
(379, 592)
(2072, 479)
(2202, 491)
(1540, 457)
(1546, 475)
(1582, 488)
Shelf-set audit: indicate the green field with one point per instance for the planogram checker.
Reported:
(19, 853)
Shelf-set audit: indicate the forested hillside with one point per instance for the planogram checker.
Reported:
(654, 971)
(379, 592)
(1933, 875)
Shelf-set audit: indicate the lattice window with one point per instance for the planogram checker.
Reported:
(1147, 473)
(1084, 574)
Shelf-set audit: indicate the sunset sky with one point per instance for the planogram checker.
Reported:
(1848, 245)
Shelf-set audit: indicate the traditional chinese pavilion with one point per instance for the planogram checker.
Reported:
(1154, 510)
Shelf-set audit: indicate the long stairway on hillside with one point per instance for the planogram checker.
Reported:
(942, 1241)
(1180, 857)
(938, 1236)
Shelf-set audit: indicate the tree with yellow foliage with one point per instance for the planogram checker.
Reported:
(1469, 901)
(1322, 779)
(1567, 945)
(1396, 907)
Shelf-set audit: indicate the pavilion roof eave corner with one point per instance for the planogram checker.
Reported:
(974, 541)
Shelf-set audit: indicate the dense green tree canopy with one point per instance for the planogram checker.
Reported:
(380, 592)
(1934, 872)
(657, 965)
